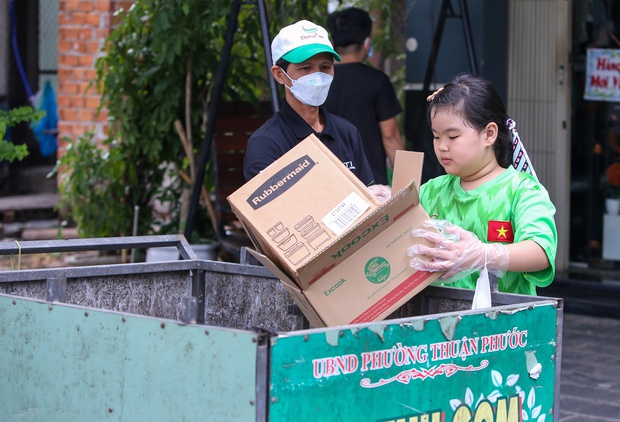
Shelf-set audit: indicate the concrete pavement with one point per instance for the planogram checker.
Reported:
(590, 375)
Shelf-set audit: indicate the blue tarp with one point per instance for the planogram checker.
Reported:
(45, 130)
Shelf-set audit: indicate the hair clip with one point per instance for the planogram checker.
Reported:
(432, 96)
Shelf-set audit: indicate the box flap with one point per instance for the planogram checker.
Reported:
(298, 296)
(407, 167)
(362, 233)
(376, 280)
(273, 268)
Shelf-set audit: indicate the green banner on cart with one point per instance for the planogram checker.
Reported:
(490, 366)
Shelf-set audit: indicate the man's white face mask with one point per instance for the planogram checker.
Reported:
(311, 89)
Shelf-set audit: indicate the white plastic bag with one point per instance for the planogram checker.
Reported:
(482, 295)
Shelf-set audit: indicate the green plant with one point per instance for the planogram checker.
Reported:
(101, 190)
(9, 151)
(99, 187)
(157, 74)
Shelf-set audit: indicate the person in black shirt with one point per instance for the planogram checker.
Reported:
(363, 94)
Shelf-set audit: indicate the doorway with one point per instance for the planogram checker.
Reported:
(30, 61)
(595, 143)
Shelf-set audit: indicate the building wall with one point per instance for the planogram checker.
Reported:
(83, 26)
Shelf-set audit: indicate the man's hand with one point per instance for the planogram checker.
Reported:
(381, 192)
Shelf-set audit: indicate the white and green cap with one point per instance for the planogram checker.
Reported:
(300, 41)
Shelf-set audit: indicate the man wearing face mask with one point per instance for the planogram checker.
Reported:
(363, 94)
(303, 61)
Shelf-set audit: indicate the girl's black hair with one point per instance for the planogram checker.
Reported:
(478, 102)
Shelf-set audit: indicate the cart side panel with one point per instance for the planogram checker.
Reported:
(499, 364)
(156, 294)
(247, 297)
(234, 295)
(71, 363)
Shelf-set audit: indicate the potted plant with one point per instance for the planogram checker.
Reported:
(612, 202)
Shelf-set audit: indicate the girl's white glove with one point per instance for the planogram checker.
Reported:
(456, 251)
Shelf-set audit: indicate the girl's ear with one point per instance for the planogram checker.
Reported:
(490, 134)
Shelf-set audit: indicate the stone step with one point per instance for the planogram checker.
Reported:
(35, 206)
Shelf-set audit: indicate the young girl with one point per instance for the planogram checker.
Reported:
(488, 213)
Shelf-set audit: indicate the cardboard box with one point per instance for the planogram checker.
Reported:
(340, 254)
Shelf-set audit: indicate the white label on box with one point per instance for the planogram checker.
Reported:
(345, 213)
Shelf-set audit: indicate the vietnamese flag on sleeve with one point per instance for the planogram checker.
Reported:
(500, 231)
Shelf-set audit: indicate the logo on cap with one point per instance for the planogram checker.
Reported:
(310, 30)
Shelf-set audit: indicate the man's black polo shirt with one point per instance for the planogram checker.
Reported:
(286, 128)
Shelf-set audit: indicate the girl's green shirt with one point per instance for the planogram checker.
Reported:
(513, 205)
